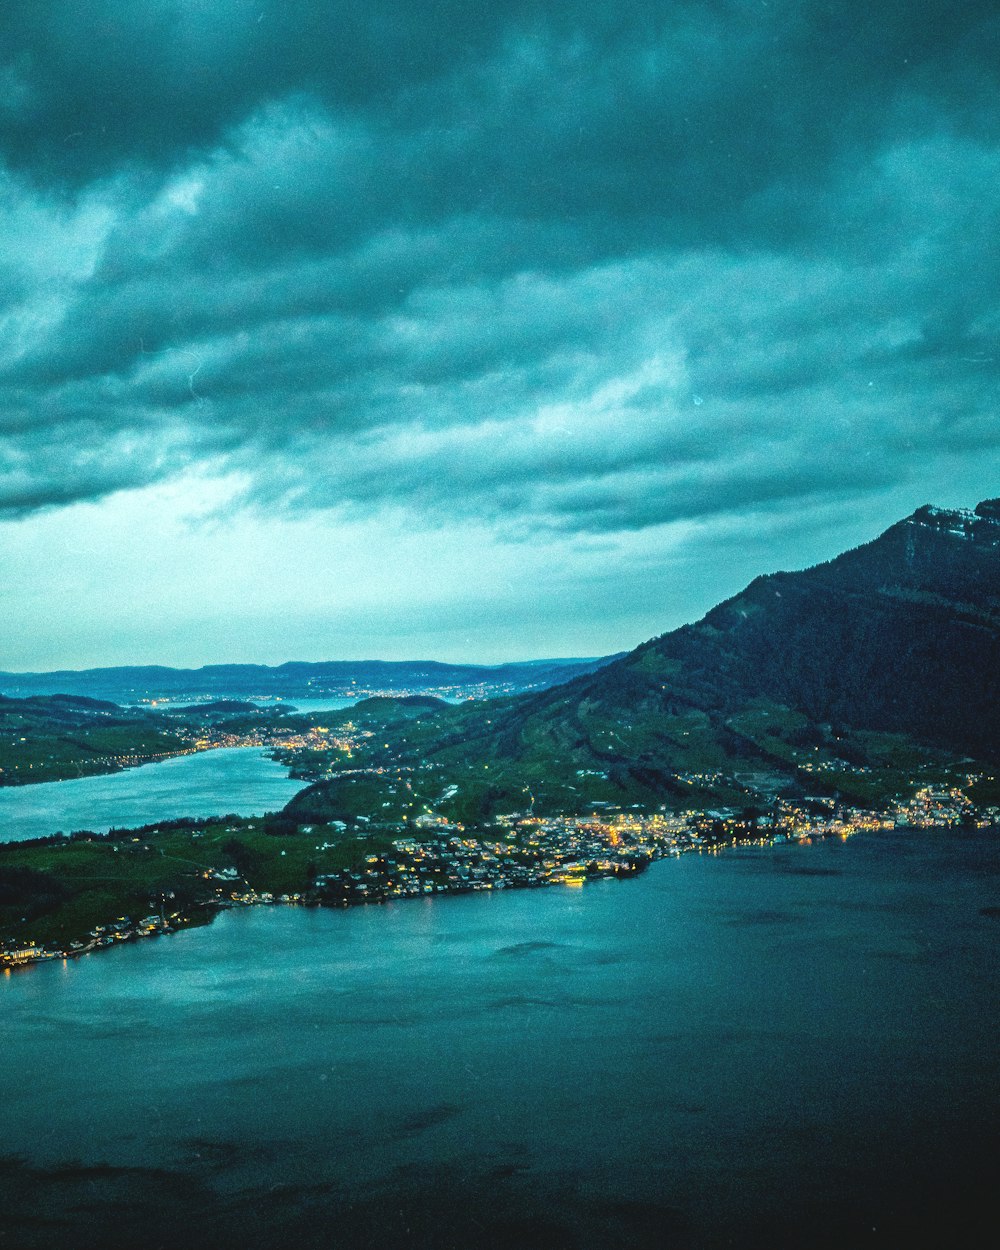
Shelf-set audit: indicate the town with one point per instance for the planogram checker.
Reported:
(519, 850)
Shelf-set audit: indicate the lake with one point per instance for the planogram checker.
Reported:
(241, 780)
(769, 1047)
(327, 703)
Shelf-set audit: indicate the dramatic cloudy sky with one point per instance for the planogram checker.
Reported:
(477, 330)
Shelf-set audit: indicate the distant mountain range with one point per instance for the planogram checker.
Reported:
(336, 678)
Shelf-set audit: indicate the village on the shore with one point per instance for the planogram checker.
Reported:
(524, 851)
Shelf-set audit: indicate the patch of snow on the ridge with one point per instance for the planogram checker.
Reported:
(958, 514)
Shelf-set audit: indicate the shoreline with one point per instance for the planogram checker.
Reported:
(569, 874)
(517, 853)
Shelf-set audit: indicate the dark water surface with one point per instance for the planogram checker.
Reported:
(792, 1046)
(240, 780)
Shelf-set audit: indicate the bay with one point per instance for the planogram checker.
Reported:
(239, 780)
(784, 1046)
(306, 705)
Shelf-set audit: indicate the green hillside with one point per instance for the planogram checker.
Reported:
(864, 678)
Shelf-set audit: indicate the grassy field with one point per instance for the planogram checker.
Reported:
(57, 892)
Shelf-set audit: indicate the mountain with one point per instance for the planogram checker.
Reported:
(900, 635)
(335, 678)
(860, 677)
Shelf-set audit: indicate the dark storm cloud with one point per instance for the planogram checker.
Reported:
(554, 264)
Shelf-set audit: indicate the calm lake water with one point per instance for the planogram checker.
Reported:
(792, 1046)
(241, 780)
